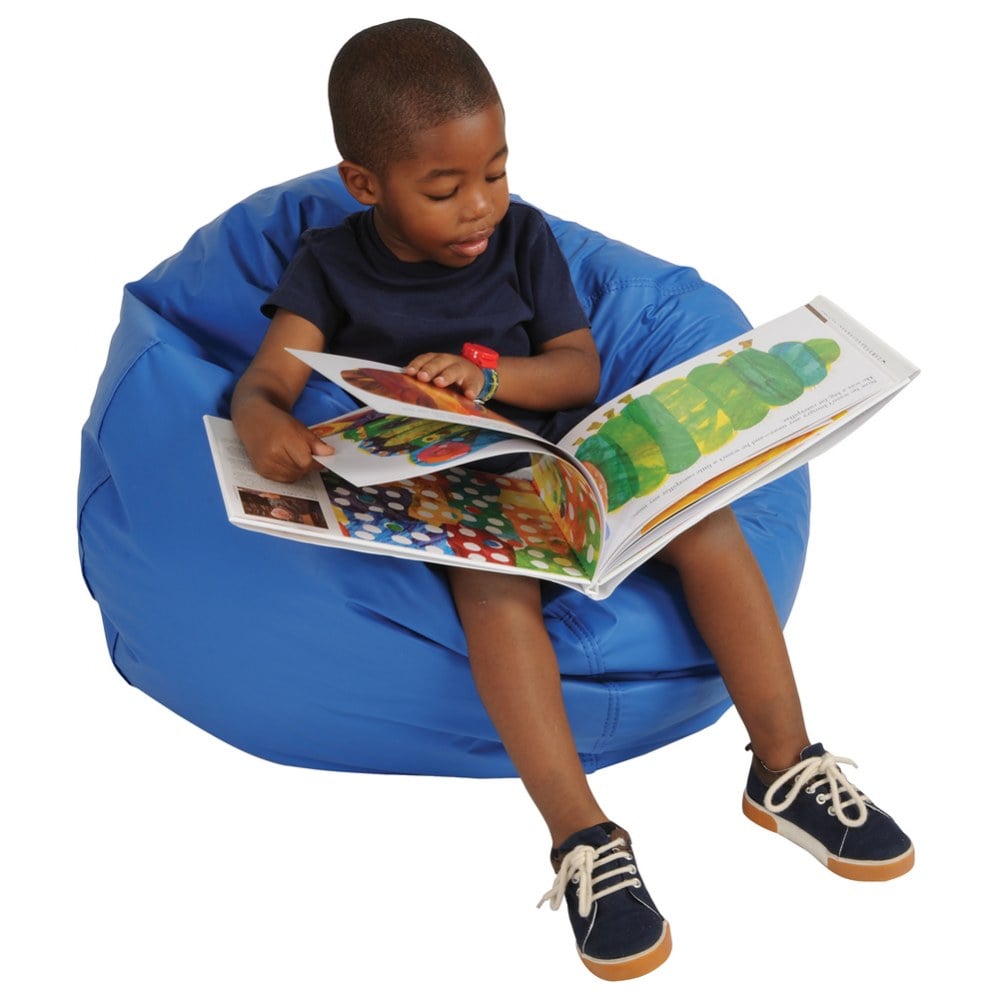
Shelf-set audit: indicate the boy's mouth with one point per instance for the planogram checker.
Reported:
(474, 245)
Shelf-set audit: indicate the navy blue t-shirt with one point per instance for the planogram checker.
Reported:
(369, 304)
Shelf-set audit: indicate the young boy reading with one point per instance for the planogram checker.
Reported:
(441, 274)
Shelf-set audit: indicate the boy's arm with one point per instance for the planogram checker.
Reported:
(279, 446)
(566, 373)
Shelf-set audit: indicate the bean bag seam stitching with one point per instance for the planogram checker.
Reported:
(623, 284)
(104, 414)
(118, 382)
(79, 534)
(585, 637)
(97, 436)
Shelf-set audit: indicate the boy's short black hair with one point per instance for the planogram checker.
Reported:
(392, 80)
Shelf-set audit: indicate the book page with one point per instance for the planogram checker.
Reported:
(574, 505)
(457, 517)
(389, 389)
(673, 434)
(282, 508)
(372, 447)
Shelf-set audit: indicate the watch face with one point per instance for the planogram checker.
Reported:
(485, 357)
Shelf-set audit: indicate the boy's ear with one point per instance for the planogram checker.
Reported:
(361, 183)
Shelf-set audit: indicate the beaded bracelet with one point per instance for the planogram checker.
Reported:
(491, 382)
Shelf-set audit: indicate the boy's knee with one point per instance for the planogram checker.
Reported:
(474, 588)
(498, 612)
(718, 529)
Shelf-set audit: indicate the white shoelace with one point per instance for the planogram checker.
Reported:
(578, 867)
(812, 773)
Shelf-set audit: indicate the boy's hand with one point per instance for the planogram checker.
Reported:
(279, 446)
(445, 370)
(565, 373)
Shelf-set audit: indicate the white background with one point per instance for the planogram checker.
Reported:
(784, 149)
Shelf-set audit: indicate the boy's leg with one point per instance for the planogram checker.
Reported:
(731, 605)
(619, 932)
(517, 676)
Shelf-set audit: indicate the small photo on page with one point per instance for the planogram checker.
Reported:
(279, 507)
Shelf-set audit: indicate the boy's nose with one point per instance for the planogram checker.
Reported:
(477, 206)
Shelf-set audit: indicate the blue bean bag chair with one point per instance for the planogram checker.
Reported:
(331, 659)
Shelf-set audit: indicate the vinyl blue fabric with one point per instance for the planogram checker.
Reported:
(326, 658)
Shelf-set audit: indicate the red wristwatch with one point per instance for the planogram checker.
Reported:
(484, 357)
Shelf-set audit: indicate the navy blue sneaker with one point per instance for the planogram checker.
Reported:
(620, 934)
(815, 806)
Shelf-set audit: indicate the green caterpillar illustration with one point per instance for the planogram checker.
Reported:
(669, 429)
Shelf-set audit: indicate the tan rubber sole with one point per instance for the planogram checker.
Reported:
(858, 871)
(635, 965)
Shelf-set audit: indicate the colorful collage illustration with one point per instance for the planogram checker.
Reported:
(472, 515)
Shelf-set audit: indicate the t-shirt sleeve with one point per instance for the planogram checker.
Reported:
(303, 290)
(557, 309)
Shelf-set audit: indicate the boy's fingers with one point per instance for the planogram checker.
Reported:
(429, 372)
(293, 458)
(419, 361)
(428, 367)
(290, 466)
(447, 370)
(451, 374)
(419, 364)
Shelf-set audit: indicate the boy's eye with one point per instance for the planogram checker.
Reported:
(497, 177)
(443, 197)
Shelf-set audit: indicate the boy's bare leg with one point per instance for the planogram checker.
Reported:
(517, 676)
(728, 598)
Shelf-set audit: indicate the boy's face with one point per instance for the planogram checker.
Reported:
(444, 203)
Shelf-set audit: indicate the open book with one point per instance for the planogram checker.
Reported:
(587, 510)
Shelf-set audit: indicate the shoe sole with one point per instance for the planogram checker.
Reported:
(632, 966)
(859, 871)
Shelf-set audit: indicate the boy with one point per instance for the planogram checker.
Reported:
(440, 259)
